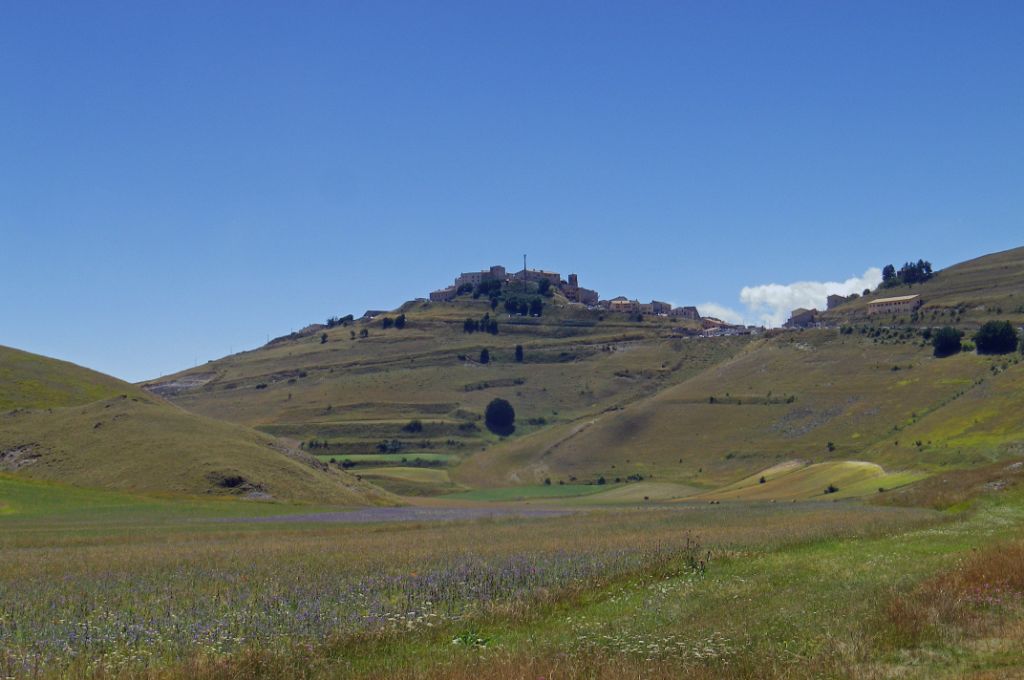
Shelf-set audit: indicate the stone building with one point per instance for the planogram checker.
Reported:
(903, 304)
(495, 273)
(685, 313)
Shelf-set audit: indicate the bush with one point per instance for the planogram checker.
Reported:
(946, 341)
(400, 322)
(413, 426)
(485, 356)
(519, 353)
(996, 337)
(500, 417)
(387, 322)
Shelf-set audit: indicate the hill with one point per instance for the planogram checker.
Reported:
(966, 294)
(33, 381)
(602, 394)
(127, 439)
(817, 395)
(423, 388)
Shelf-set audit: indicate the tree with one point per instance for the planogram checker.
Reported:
(536, 306)
(323, 338)
(387, 322)
(544, 287)
(470, 326)
(400, 321)
(492, 327)
(519, 353)
(996, 337)
(946, 341)
(485, 356)
(888, 274)
(364, 333)
(500, 417)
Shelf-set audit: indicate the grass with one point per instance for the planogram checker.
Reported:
(142, 444)
(519, 493)
(134, 441)
(795, 480)
(191, 593)
(33, 381)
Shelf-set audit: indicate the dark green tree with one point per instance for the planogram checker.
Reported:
(888, 274)
(485, 356)
(544, 287)
(946, 341)
(996, 337)
(387, 322)
(519, 353)
(400, 321)
(536, 306)
(323, 338)
(500, 417)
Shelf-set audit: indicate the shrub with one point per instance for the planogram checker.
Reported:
(946, 341)
(413, 426)
(519, 353)
(323, 338)
(400, 321)
(485, 356)
(832, 488)
(387, 322)
(500, 417)
(996, 337)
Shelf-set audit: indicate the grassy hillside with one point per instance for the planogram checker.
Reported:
(135, 441)
(968, 294)
(600, 394)
(355, 397)
(32, 381)
(814, 395)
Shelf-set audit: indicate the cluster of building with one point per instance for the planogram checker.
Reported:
(570, 288)
(895, 306)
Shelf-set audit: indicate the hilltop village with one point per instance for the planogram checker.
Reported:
(467, 282)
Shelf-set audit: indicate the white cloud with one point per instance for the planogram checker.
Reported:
(770, 304)
(719, 312)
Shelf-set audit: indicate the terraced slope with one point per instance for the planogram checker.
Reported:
(138, 442)
(423, 389)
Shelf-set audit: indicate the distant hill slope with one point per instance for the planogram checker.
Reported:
(135, 441)
(423, 388)
(33, 381)
(600, 394)
(968, 293)
(812, 395)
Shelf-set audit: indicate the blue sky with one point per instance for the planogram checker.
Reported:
(180, 180)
